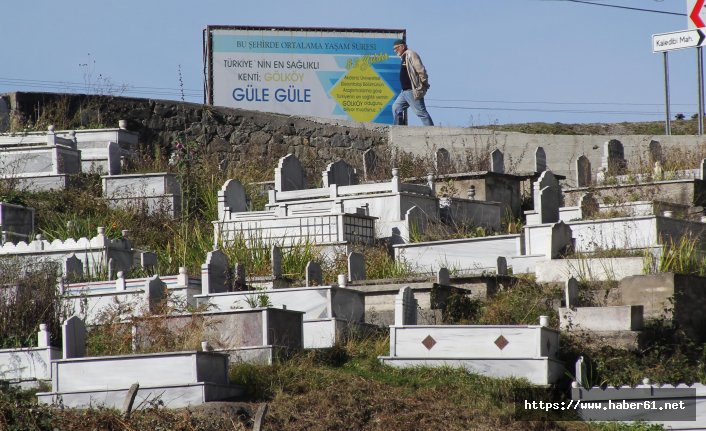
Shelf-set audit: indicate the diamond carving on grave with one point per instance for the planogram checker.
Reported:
(429, 342)
(501, 342)
(479, 349)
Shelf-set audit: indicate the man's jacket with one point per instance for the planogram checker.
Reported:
(417, 74)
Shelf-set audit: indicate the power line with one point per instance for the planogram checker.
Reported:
(625, 7)
(519, 102)
(562, 111)
(443, 103)
(100, 87)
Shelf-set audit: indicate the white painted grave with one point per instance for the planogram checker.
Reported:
(29, 365)
(526, 351)
(98, 254)
(39, 162)
(601, 319)
(598, 269)
(320, 214)
(178, 379)
(693, 396)
(136, 296)
(253, 335)
(153, 193)
(328, 310)
(471, 255)
(102, 150)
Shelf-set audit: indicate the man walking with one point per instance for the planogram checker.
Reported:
(415, 83)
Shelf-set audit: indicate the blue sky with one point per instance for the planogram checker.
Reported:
(489, 61)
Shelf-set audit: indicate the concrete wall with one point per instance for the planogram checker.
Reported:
(654, 293)
(236, 134)
(561, 150)
(686, 192)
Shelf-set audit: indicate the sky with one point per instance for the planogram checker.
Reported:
(489, 61)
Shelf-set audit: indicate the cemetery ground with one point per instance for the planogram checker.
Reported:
(345, 387)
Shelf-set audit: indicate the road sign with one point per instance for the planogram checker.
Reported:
(678, 40)
(696, 12)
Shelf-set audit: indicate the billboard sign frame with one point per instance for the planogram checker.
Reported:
(338, 73)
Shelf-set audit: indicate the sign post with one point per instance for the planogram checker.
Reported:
(693, 38)
(667, 124)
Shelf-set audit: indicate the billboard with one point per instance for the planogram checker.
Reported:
(348, 74)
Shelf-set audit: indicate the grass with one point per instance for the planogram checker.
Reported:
(345, 387)
(681, 256)
(683, 127)
(348, 388)
(341, 388)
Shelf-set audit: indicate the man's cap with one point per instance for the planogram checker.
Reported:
(398, 42)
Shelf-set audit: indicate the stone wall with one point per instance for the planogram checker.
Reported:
(240, 135)
(231, 134)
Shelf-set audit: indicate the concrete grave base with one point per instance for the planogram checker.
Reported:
(627, 340)
(329, 311)
(616, 318)
(325, 333)
(173, 396)
(696, 397)
(595, 269)
(539, 371)
(263, 355)
(26, 367)
(43, 182)
(526, 351)
(178, 379)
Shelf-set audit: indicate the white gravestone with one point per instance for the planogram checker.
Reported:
(74, 338)
(405, 307)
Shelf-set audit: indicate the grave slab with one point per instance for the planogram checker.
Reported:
(601, 319)
(496, 351)
(328, 310)
(179, 379)
(257, 335)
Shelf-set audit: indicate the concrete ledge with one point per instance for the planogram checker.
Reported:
(173, 396)
(264, 355)
(616, 318)
(627, 340)
(539, 371)
(594, 269)
(325, 333)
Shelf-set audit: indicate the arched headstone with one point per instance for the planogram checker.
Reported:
(589, 206)
(655, 152)
(442, 161)
(289, 174)
(74, 338)
(497, 161)
(232, 196)
(214, 273)
(314, 275)
(405, 307)
(540, 160)
(340, 173)
(356, 266)
(614, 157)
(583, 172)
